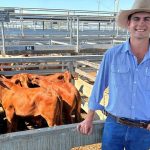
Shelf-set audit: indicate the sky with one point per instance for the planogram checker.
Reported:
(95, 5)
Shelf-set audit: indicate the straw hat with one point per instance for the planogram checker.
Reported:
(138, 6)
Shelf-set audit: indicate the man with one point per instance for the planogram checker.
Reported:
(125, 69)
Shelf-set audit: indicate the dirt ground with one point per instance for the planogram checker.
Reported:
(89, 147)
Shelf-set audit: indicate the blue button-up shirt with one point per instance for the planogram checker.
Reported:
(128, 83)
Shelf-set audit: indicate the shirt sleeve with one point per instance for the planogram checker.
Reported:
(100, 84)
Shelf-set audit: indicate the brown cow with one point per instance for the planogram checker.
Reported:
(69, 94)
(21, 101)
(24, 79)
(63, 76)
(66, 76)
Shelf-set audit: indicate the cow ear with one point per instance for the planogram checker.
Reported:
(60, 77)
(18, 82)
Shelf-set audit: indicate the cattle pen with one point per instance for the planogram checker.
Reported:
(48, 41)
(62, 137)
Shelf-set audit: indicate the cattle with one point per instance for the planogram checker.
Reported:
(20, 101)
(64, 76)
(69, 94)
(61, 83)
(23, 79)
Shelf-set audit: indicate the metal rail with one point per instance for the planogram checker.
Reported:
(53, 64)
(56, 138)
(74, 27)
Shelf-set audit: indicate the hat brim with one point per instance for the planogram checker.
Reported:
(122, 17)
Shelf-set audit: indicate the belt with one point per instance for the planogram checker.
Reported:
(128, 122)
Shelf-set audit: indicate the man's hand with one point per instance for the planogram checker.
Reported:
(86, 126)
(148, 127)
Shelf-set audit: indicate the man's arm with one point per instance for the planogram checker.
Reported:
(86, 126)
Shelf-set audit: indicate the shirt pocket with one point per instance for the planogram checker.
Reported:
(120, 75)
(147, 79)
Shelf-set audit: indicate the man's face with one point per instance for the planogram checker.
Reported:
(139, 25)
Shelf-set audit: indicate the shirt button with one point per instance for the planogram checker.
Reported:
(134, 82)
(132, 107)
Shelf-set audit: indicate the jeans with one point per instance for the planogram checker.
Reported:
(117, 136)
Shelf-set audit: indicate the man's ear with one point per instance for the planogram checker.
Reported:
(128, 24)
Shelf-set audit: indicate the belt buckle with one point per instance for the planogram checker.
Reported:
(143, 124)
(120, 120)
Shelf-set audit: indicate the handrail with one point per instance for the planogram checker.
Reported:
(62, 137)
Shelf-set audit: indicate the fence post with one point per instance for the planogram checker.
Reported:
(3, 39)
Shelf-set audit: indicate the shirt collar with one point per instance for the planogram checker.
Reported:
(147, 56)
(127, 48)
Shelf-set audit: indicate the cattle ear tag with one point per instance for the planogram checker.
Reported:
(75, 76)
(2, 76)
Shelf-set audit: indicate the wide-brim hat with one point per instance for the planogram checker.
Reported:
(138, 6)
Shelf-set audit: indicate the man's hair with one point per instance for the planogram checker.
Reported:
(129, 17)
